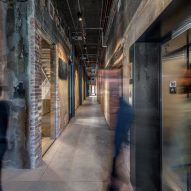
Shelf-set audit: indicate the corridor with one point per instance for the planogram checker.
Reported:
(76, 75)
(79, 160)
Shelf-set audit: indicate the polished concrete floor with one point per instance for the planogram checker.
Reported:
(79, 160)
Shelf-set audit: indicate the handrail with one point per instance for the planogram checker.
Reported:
(44, 74)
(45, 86)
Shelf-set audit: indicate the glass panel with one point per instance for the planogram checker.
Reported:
(176, 109)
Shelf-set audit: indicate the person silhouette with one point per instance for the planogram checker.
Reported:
(124, 121)
(4, 118)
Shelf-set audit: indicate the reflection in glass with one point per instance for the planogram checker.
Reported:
(176, 110)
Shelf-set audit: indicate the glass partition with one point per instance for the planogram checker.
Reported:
(176, 113)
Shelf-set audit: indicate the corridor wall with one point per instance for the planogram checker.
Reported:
(62, 90)
(14, 79)
(79, 81)
(83, 85)
(60, 49)
(146, 130)
(109, 91)
(77, 84)
(127, 27)
(3, 51)
(27, 23)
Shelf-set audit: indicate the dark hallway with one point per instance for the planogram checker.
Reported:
(97, 95)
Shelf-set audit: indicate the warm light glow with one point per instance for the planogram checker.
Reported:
(118, 46)
(61, 52)
(118, 60)
(79, 16)
(85, 47)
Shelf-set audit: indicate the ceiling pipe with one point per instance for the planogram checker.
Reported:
(112, 13)
(102, 36)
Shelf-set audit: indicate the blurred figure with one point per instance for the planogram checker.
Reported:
(120, 179)
(4, 117)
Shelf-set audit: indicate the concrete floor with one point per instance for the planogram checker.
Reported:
(79, 160)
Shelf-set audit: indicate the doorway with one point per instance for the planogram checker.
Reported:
(93, 90)
(46, 87)
(71, 93)
(176, 109)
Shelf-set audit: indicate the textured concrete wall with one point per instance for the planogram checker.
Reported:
(145, 134)
(123, 17)
(16, 52)
(132, 20)
(3, 48)
(145, 15)
(129, 24)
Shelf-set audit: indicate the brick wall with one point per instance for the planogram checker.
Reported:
(22, 63)
(35, 103)
(59, 114)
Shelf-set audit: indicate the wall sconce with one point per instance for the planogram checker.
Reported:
(79, 16)
(85, 47)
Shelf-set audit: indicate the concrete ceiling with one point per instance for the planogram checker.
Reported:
(95, 16)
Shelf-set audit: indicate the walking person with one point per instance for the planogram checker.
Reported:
(121, 142)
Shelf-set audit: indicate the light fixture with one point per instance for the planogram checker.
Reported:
(85, 46)
(79, 16)
(84, 57)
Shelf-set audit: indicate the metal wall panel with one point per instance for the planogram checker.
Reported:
(176, 108)
(145, 135)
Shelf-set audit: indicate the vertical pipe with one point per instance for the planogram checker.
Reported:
(80, 82)
(187, 56)
(71, 86)
(73, 83)
(187, 51)
(70, 89)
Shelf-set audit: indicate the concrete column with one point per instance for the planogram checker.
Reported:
(146, 133)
